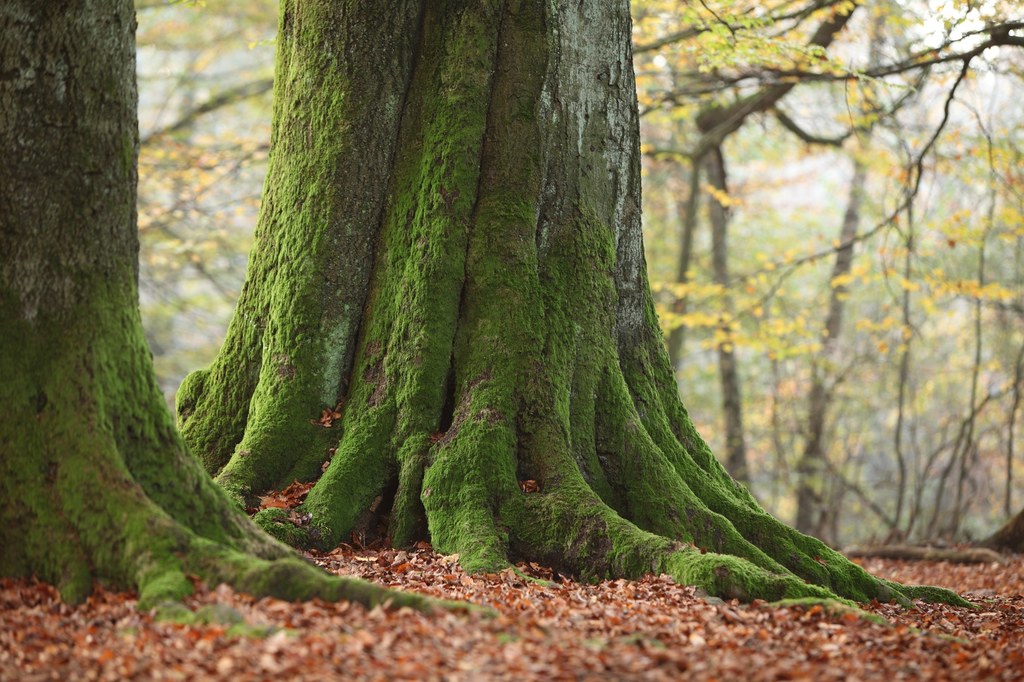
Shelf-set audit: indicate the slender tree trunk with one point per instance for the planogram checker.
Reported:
(780, 448)
(970, 445)
(905, 391)
(959, 509)
(728, 372)
(1011, 430)
(811, 466)
(509, 393)
(96, 482)
(687, 229)
(1018, 379)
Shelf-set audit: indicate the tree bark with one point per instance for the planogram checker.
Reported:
(450, 254)
(1010, 537)
(96, 482)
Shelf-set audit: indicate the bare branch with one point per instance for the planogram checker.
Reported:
(226, 98)
(810, 138)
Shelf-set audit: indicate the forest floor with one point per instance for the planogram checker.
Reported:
(648, 629)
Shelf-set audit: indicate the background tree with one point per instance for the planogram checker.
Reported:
(1010, 536)
(97, 483)
(943, 71)
(205, 72)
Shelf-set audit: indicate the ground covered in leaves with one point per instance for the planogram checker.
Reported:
(551, 628)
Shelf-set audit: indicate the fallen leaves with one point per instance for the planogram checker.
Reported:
(548, 627)
(529, 486)
(329, 415)
(292, 496)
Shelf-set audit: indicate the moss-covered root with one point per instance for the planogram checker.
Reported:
(582, 535)
(733, 512)
(730, 577)
(934, 595)
(289, 578)
(278, 524)
(460, 489)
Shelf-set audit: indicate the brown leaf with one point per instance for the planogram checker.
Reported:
(529, 486)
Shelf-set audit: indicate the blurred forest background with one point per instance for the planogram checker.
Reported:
(834, 225)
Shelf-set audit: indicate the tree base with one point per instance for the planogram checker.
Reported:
(509, 396)
(1010, 537)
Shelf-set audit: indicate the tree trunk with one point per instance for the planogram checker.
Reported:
(728, 372)
(812, 465)
(687, 228)
(449, 253)
(96, 482)
(1010, 537)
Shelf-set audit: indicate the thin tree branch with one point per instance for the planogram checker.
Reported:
(810, 138)
(226, 98)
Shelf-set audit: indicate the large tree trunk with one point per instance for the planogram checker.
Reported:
(96, 482)
(1010, 537)
(449, 252)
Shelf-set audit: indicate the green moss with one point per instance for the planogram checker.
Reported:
(468, 477)
(173, 612)
(171, 585)
(357, 474)
(730, 577)
(407, 521)
(934, 595)
(276, 522)
(213, 404)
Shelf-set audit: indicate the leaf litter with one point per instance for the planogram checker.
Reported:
(547, 627)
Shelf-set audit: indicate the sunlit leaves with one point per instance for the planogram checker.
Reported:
(964, 262)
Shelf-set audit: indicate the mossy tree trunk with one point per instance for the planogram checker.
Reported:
(449, 249)
(95, 480)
